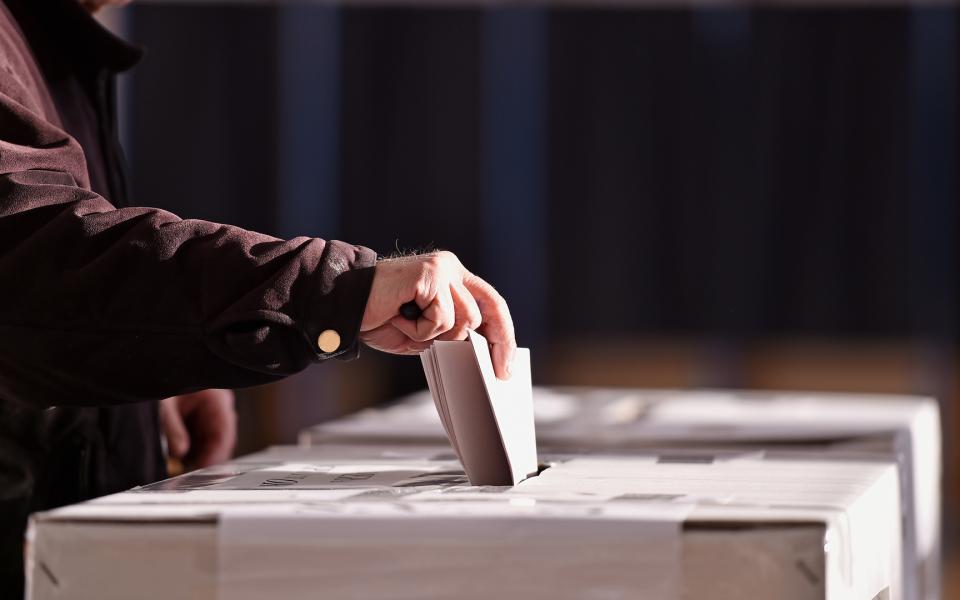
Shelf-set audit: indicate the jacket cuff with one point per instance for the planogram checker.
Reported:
(336, 310)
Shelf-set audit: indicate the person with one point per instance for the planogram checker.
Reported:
(106, 308)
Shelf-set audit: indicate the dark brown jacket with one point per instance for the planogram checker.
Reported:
(105, 308)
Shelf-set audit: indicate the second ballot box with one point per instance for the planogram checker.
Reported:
(829, 426)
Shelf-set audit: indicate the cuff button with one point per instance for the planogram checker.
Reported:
(328, 341)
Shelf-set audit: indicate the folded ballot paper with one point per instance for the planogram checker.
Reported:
(488, 421)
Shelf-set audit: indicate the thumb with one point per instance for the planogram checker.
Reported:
(174, 429)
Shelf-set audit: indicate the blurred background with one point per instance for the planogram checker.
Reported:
(668, 194)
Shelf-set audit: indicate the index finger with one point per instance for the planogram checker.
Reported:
(496, 326)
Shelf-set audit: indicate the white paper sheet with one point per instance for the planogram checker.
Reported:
(489, 422)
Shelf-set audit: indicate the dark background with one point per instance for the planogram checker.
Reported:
(666, 197)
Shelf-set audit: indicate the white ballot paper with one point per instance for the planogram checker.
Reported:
(488, 421)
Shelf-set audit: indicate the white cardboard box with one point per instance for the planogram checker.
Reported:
(369, 522)
(905, 429)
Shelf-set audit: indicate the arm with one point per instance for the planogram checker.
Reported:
(104, 305)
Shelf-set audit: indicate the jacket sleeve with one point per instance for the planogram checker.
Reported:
(100, 305)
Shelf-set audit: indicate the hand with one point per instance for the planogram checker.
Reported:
(201, 428)
(453, 301)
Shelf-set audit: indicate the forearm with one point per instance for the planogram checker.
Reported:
(109, 305)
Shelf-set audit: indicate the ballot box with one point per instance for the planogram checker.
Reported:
(904, 429)
(402, 522)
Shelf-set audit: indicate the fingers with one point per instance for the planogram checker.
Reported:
(497, 324)
(502, 355)
(387, 338)
(467, 314)
(174, 429)
(447, 318)
(438, 318)
(213, 424)
(399, 280)
(200, 427)
(453, 301)
(211, 452)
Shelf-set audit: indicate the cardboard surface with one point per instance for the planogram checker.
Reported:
(374, 522)
(904, 429)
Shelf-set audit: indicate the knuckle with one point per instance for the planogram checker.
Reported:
(425, 271)
(437, 259)
(450, 260)
(424, 283)
(474, 319)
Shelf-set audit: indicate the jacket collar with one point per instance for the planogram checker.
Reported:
(79, 37)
